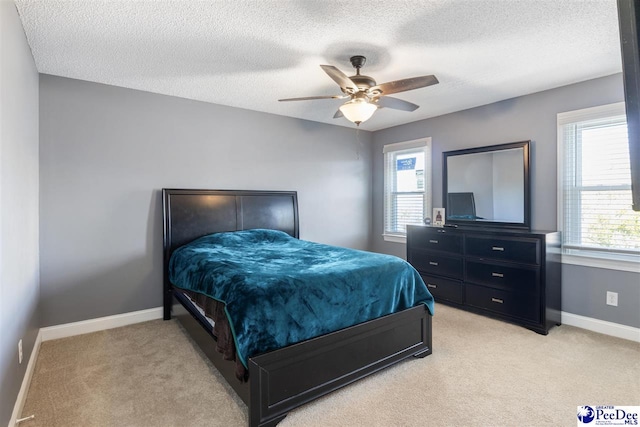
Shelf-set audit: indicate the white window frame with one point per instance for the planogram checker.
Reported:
(389, 149)
(589, 258)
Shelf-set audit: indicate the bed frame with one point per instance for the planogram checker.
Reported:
(284, 379)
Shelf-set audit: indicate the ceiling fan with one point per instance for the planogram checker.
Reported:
(366, 96)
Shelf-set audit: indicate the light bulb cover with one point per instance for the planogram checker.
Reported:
(358, 110)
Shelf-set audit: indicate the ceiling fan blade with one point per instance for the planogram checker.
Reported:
(341, 78)
(404, 85)
(338, 114)
(307, 98)
(396, 104)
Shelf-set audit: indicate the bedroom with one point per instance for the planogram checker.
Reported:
(94, 158)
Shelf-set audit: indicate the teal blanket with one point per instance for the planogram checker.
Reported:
(279, 290)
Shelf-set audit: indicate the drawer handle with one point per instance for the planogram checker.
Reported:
(497, 274)
(498, 300)
(433, 241)
(433, 263)
(431, 285)
(497, 248)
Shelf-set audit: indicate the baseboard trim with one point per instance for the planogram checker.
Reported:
(601, 326)
(26, 381)
(99, 324)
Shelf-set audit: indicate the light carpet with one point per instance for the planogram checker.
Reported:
(482, 372)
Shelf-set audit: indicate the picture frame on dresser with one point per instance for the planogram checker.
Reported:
(438, 217)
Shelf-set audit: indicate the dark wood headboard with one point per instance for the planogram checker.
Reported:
(189, 214)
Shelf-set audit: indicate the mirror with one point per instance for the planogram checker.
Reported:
(487, 186)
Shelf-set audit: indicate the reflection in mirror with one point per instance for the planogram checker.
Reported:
(487, 185)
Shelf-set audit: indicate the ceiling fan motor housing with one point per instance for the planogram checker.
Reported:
(363, 82)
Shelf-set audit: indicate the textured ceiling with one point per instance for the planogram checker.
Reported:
(249, 54)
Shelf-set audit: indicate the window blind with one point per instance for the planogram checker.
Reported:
(596, 211)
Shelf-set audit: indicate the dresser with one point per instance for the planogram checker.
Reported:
(510, 275)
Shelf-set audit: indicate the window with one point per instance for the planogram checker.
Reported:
(407, 186)
(594, 196)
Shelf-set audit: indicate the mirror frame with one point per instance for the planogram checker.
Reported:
(526, 223)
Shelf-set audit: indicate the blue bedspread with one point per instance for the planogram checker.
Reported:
(279, 290)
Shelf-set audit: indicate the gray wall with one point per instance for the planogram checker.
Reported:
(19, 276)
(105, 153)
(528, 117)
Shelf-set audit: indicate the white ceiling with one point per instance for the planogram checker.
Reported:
(250, 53)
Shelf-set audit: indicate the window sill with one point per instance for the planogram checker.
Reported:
(396, 238)
(602, 260)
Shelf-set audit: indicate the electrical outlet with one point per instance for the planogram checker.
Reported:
(20, 351)
(612, 298)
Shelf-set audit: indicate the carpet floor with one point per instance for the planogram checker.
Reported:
(482, 372)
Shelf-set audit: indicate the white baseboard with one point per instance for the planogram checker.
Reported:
(99, 324)
(26, 381)
(601, 326)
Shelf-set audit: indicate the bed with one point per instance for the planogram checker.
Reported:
(286, 378)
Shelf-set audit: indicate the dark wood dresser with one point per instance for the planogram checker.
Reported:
(510, 275)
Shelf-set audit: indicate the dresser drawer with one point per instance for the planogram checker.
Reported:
(435, 263)
(444, 289)
(435, 239)
(513, 249)
(503, 276)
(513, 304)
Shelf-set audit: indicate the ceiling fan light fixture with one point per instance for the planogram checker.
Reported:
(358, 110)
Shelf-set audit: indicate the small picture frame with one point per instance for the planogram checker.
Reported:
(438, 217)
